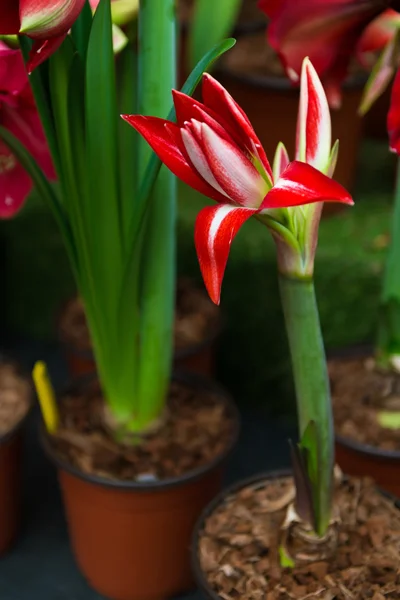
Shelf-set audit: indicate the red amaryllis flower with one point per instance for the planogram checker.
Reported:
(45, 21)
(214, 149)
(327, 31)
(393, 119)
(18, 114)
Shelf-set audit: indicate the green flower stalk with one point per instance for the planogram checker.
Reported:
(214, 149)
(116, 210)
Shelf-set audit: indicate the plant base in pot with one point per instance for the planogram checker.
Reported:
(238, 540)
(197, 327)
(253, 75)
(15, 401)
(360, 393)
(131, 509)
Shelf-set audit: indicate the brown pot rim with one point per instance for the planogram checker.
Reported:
(6, 437)
(361, 350)
(274, 474)
(192, 379)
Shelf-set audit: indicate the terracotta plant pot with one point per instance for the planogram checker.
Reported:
(131, 540)
(252, 74)
(364, 460)
(270, 568)
(361, 460)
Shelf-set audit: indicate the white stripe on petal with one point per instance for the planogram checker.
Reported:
(314, 121)
(233, 170)
(198, 159)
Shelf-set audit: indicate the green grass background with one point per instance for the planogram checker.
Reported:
(252, 355)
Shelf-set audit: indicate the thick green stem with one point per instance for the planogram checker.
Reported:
(388, 351)
(312, 385)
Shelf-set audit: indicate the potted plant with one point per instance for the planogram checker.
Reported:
(363, 383)
(251, 533)
(138, 456)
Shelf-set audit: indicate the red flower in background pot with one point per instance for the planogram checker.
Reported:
(45, 21)
(327, 31)
(214, 149)
(18, 114)
(393, 119)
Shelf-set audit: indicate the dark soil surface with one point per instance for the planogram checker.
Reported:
(198, 428)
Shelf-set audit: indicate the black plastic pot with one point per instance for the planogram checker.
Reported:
(364, 460)
(131, 539)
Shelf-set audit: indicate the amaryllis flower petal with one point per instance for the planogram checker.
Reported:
(221, 102)
(42, 19)
(165, 139)
(12, 71)
(281, 160)
(188, 108)
(42, 50)
(199, 160)
(378, 34)
(313, 136)
(381, 75)
(325, 30)
(302, 184)
(9, 17)
(234, 172)
(393, 119)
(216, 226)
(15, 184)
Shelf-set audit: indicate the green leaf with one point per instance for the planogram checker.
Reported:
(127, 104)
(81, 29)
(212, 22)
(381, 75)
(39, 84)
(285, 560)
(389, 419)
(103, 210)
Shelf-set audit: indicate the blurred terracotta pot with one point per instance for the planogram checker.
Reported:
(361, 460)
(131, 540)
(10, 485)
